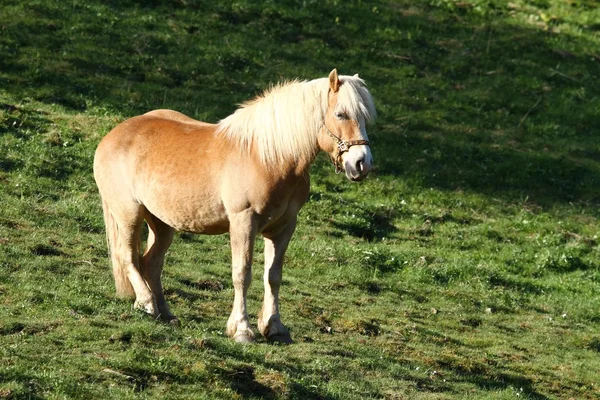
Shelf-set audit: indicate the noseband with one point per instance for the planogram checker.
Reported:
(342, 147)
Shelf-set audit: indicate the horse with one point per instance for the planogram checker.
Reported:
(246, 175)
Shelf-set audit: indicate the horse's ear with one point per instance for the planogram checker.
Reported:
(334, 81)
(356, 76)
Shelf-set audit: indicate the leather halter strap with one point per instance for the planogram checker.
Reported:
(342, 147)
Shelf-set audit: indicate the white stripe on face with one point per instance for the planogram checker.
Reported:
(358, 160)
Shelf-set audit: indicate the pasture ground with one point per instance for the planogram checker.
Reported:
(466, 267)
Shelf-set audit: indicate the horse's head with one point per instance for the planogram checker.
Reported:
(344, 136)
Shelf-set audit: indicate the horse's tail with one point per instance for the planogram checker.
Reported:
(124, 288)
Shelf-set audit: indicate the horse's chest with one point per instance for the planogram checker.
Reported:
(279, 205)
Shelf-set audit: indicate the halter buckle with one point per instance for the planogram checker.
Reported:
(343, 147)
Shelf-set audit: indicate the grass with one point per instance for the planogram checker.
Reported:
(466, 267)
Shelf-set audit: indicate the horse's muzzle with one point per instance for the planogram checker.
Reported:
(358, 163)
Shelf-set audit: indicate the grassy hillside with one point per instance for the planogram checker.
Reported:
(466, 267)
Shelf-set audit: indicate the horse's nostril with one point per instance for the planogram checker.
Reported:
(359, 166)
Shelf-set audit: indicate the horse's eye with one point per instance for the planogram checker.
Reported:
(341, 115)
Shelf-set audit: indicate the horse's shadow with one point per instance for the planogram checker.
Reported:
(371, 224)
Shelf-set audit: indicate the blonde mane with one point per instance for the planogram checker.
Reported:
(283, 122)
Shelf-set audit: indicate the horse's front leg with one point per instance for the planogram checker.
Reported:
(243, 233)
(269, 322)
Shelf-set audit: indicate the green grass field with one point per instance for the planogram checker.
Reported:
(466, 267)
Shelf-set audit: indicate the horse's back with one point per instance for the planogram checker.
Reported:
(175, 116)
(159, 131)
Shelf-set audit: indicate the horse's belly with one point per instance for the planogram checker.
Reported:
(190, 216)
(202, 224)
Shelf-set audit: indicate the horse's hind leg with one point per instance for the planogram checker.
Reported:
(129, 222)
(160, 237)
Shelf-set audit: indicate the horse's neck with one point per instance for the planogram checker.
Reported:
(302, 166)
(299, 164)
(295, 168)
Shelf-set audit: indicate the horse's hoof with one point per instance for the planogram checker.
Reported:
(169, 318)
(244, 338)
(283, 338)
(147, 307)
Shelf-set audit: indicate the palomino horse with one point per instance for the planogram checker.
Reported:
(246, 175)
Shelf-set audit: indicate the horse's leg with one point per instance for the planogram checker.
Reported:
(269, 322)
(242, 233)
(160, 237)
(129, 222)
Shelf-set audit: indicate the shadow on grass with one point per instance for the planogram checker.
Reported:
(467, 101)
(505, 123)
(28, 386)
(241, 380)
(368, 224)
(539, 178)
(18, 120)
(487, 377)
(485, 105)
(503, 381)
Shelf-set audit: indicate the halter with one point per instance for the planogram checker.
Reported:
(342, 147)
